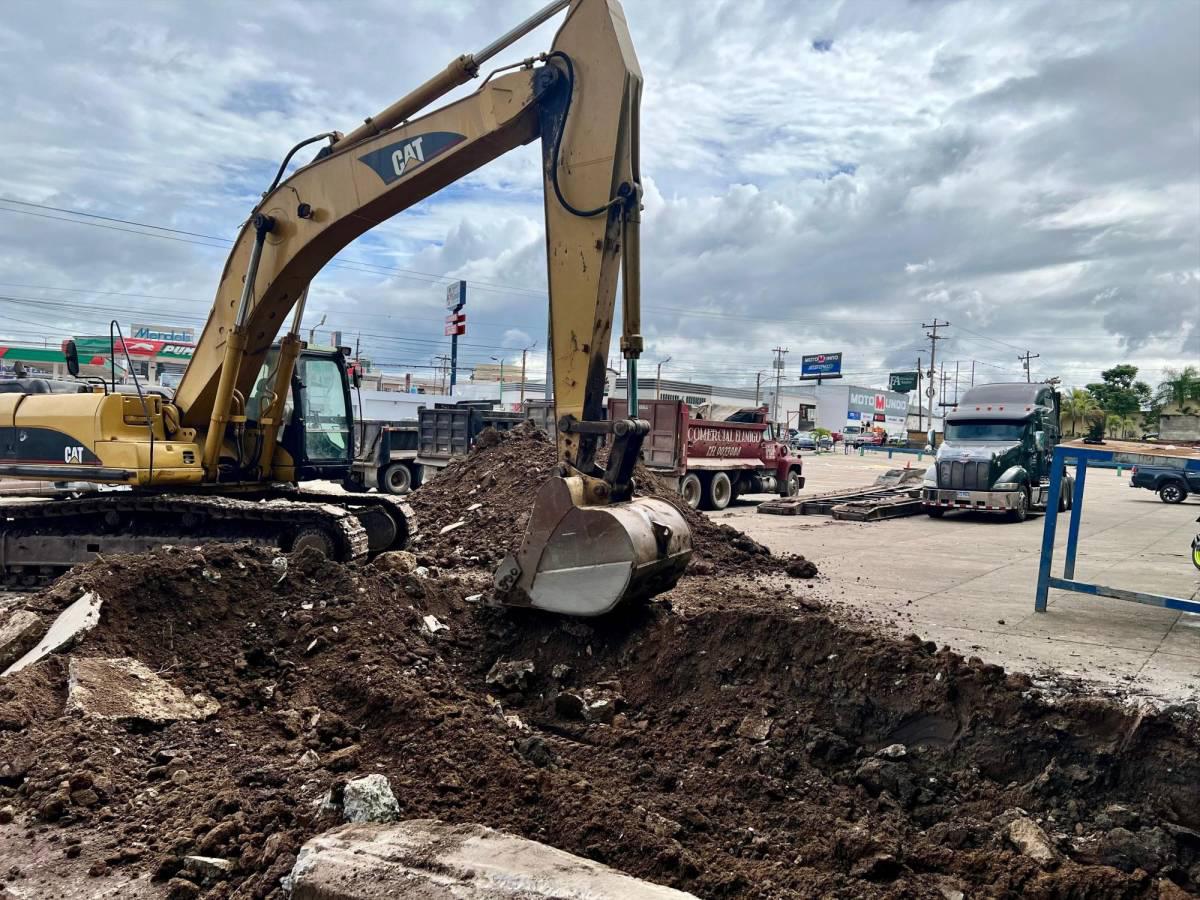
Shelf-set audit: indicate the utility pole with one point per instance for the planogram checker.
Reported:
(972, 373)
(934, 337)
(1025, 359)
(779, 352)
(500, 359)
(445, 367)
(523, 354)
(757, 387)
(658, 379)
(956, 382)
(920, 400)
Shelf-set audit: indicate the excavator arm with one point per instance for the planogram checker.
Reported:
(589, 545)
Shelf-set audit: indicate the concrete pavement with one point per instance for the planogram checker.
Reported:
(968, 580)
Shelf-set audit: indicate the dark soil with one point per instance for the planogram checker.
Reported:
(502, 476)
(728, 740)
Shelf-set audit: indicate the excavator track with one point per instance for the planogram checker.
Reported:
(42, 539)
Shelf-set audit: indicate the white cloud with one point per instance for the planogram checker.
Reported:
(1029, 169)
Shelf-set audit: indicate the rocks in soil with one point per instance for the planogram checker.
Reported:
(369, 799)
(510, 675)
(1028, 837)
(124, 689)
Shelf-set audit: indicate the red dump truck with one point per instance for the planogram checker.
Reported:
(714, 460)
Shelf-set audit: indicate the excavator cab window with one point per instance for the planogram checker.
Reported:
(323, 410)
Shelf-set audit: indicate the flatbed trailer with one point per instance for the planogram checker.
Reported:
(894, 494)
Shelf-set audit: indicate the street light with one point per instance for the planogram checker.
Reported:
(500, 359)
(658, 379)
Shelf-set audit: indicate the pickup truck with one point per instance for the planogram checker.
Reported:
(1171, 485)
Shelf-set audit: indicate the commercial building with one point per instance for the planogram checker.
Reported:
(842, 406)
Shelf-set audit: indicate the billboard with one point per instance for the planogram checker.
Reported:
(456, 296)
(902, 382)
(821, 365)
(91, 347)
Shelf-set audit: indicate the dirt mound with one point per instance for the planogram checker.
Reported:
(732, 742)
(491, 493)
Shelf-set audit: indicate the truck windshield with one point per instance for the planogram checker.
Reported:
(984, 431)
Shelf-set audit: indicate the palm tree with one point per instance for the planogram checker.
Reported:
(1078, 404)
(1113, 425)
(1130, 426)
(1180, 386)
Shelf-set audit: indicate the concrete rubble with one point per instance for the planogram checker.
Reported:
(125, 690)
(432, 860)
(18, 635)
(1028, 837)
(362, 800)
(77, 619)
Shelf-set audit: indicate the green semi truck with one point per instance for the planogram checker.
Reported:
(996, 453)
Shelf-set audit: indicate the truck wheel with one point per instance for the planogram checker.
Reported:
(690, 490)
(1020, 512)
(717, 491)
(935, 512)
(1172, 492)
(792, 485)
(395, 479)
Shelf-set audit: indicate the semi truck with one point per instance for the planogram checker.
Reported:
(996, 453)
(711, 461)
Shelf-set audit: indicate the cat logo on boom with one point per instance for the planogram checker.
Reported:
(73, 454)
(398, 159)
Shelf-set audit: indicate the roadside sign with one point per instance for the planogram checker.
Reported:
(456, 324)
(902, 381)
(456, 296)
(821, 365)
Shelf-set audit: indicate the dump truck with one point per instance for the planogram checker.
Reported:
(386, 458)
(996, 452)
(713, 461)
(448, 432)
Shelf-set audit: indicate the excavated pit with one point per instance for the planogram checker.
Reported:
(733, 739)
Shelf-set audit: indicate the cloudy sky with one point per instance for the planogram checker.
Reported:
(819, 175)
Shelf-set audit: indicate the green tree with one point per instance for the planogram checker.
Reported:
(1077, 405)
(1112, 425)
(1130, 426)
(1119, 392)
(1181, 386)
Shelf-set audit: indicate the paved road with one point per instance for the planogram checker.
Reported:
(968, 580)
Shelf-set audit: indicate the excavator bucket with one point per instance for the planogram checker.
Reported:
(585, 560)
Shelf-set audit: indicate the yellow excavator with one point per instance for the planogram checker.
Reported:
(252, 418)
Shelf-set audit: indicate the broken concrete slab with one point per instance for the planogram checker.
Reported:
(18, 635)
(123, 689)
(432, 860)
(73, 622)
(362, 800)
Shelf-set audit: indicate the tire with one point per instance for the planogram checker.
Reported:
(1196, 552)
(1064, 497)
(691, 490)
(395, 479)
(718, 491)
(1021, 511)
(792, 485)
(1172, 492)
(935, 512)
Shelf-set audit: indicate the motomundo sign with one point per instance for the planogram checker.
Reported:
(889, 403)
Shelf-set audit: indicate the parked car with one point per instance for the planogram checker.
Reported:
(804, 440)
(1171, 485)
(867, 439)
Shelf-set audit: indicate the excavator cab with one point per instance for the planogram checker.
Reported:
(317, 428)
